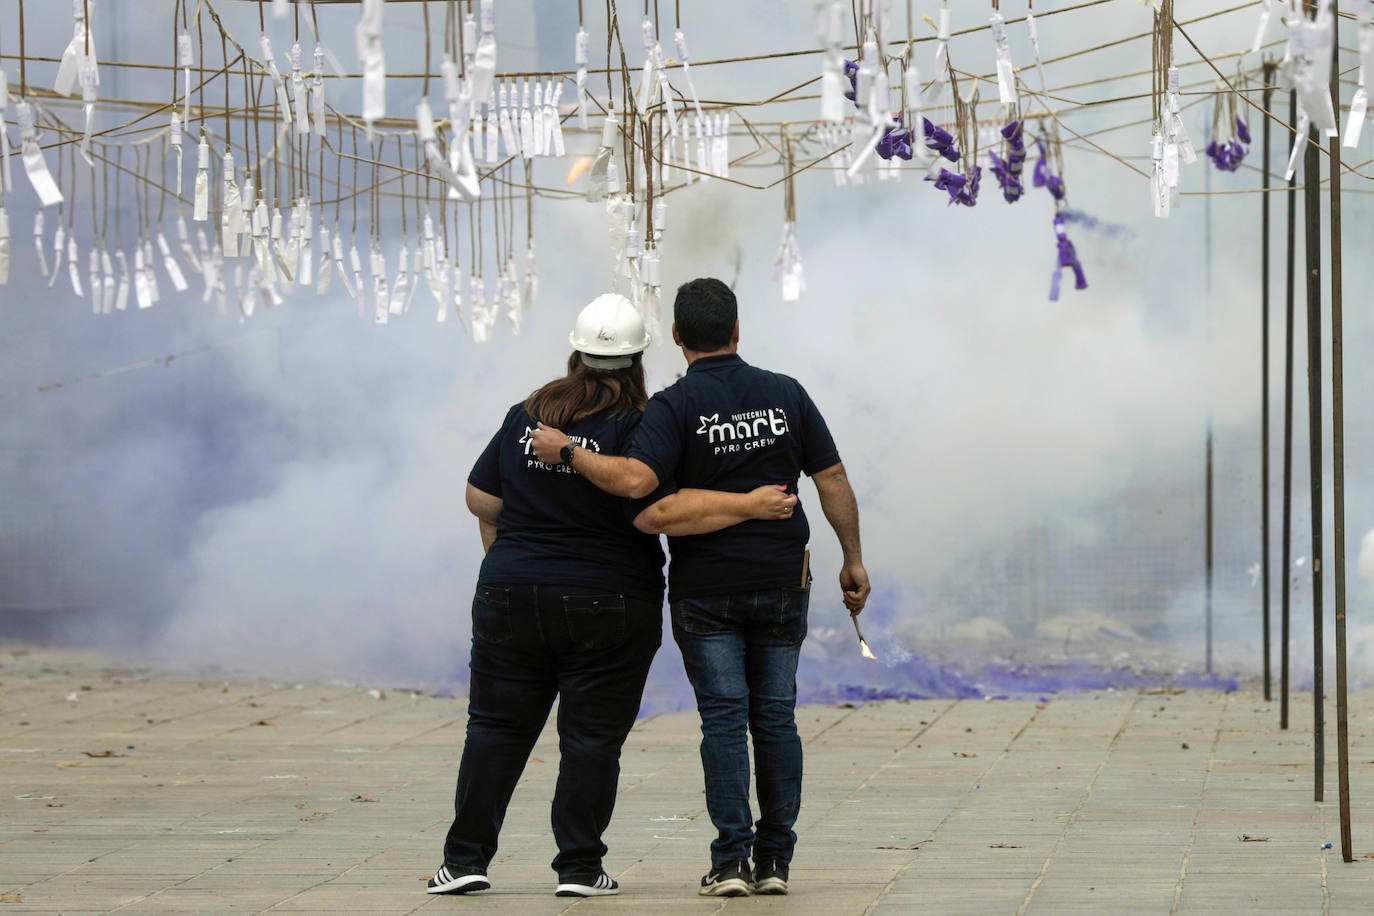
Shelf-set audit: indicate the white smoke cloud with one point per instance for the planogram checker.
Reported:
(1366, 561)
(296, 503)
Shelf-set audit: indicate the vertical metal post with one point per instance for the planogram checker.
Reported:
(1268, 77)
(1311, 193)
(1207, 470)
(1287, 536)
(1338, 462)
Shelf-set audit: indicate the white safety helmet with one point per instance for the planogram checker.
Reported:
(608, 332)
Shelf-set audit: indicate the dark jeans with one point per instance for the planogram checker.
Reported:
(530, 643)
(741, 653)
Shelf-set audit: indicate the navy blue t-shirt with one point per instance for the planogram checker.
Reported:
(727, 425)
(555, 527)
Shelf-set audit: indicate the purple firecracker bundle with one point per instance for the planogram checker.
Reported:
(940, 140)
(1008, 171)
(896, 139)
(1043, 177)
(1228, 154)
(1068, 257)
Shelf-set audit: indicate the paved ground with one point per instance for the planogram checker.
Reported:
(137, 792)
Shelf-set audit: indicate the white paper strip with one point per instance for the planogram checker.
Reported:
(6, 176)
(202, 203)
(74, 267)
(369, 34)
(169, 263)
(59, 248)
(1006, 76)
(38, 243)
(34, 164)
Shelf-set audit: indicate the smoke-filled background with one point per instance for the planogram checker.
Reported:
(284, 494)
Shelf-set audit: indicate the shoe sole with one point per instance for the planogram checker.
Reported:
(731, 887)
(771, 886)
(464, 884)
(584, 890)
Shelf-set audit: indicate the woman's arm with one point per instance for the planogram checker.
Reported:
(487, 508)
(488, 532)
(703, 511)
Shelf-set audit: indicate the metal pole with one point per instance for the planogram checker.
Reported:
(1311, 191)
(1287, 536)
(1207, 255)
(1338, 465)
(1269, 68)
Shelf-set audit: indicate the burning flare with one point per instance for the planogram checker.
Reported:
(579, 168)
(863, 643)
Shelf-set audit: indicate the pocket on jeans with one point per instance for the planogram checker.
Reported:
(790, 626)
(491, 614)
(595, 621)
(701, 616)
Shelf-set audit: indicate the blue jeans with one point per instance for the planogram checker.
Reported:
(740, 652)
(531, 643)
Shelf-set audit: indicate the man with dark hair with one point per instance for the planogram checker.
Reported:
(738, 597)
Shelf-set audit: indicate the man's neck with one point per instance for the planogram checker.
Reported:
(692, 355)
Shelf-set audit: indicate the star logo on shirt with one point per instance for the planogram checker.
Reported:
(707, 422)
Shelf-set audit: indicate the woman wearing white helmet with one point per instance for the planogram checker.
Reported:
(568, 604)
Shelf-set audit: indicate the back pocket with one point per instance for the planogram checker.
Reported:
(491, 614)
(595, 621)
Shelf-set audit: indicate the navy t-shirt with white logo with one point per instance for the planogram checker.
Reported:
(727, 425)
(555, 527)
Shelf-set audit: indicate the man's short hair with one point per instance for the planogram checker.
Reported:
(705, 312)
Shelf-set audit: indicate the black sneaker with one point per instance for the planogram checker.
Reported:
(732, 879)
(449, 881)
(603, 885)
(770, 876)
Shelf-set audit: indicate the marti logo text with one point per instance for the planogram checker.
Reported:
(743, 432)
(527, 440)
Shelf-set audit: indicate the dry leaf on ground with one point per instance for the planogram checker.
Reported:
(1247, 838)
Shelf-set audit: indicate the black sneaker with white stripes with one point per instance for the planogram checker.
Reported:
(452, 880)
(603, 885)
(733, 879)
(770, 876)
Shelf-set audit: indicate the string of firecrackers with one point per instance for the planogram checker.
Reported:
(266, 250)
(279, 250)
(954, 164)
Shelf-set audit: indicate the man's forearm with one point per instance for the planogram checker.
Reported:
(488, 532)
(841, 510)
(618, 476)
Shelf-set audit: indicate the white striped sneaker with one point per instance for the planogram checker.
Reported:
(603, 886)
(447, 881)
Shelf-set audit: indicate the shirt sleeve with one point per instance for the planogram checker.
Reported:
(818, 446)
(658, 440)
(486, 473)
